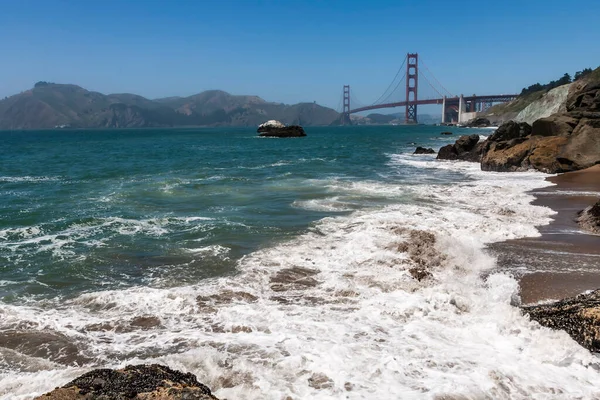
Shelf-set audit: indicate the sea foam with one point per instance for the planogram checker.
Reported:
(338, 313)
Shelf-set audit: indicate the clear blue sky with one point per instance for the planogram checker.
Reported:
(291, 51)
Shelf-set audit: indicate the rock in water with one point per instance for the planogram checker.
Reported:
(133, 382)
(423, 150)
(579, 316)
(466, 148)
(589, 219)
(446, 133)
(277, 129)
(271, 124)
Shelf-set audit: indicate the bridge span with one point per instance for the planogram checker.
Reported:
(463, 107)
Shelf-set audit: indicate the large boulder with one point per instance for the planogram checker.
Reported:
(589, 219)
(133, 382)
(274, 128)
(466, 148)
(578, 316)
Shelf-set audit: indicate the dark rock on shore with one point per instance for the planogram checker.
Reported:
(504, 150)
(277, 129)
(466, 148)
(579, 316)
(133, 382)
(562, 142)
(423, 150)
(589, 219)
(478, 123)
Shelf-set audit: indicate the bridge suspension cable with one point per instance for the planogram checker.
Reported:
(401, 69)
(356, 103)
(393, 91)
(446, 91)
(433, 87)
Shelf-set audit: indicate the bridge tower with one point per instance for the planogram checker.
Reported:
(346, 110)
(412, 85)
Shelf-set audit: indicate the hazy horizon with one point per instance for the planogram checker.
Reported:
(289, 52)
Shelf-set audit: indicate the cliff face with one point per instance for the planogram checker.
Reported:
(550, 103)
(48, 105)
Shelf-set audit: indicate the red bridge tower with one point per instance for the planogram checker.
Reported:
(412, 85)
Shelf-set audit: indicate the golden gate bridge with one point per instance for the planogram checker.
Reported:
(406, 90)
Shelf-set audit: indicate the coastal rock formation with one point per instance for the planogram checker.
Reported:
(504, 150)
(423, 150)
(550, 103)
(274, 128)
(578, 316)
(478, 123)
(589, 219)
(466, 148)
(269, 125)
(562, 142)
(154, 381)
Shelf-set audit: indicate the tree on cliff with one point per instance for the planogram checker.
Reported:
(581, 74)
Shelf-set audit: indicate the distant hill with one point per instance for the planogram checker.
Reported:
(48, 105)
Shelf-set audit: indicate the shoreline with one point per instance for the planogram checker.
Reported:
(565, 260)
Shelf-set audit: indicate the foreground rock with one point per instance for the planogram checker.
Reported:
(578, 316)
(156, 382)
(423, 150)
(466, 148)
(589, 219)
(274, 128)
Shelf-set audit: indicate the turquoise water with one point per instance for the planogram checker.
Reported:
(93, 209)
(264, 265)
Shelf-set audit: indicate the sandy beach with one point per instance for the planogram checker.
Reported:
(565, 260)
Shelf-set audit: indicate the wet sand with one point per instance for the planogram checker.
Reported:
(565, 260)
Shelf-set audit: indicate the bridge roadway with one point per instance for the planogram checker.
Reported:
(449, 100)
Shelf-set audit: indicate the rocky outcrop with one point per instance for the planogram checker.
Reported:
(478, 123)
(156, 382)
(562, 142)
(550, 103)
(589, 219)
(277, 129)
(578, 316)
(466, 148)
(423, 150)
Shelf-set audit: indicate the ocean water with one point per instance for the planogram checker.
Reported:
(271, 268)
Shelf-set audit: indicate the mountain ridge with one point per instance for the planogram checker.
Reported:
(49, 105)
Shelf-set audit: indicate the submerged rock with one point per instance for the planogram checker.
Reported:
(579, 316)
(423, 150)
(133, 382)
(274, 128)
(446, 133)
(589, 219)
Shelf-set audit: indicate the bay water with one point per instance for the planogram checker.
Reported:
(338, 265)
